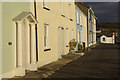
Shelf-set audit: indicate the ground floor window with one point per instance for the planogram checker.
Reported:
(46, 36)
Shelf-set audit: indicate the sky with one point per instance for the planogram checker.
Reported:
(105, 11)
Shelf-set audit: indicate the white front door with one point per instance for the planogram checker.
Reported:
(60, 42)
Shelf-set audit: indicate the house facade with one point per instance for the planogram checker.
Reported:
(81, 26)
(78, 26)
(88, 22)
(91, 27)
(107, 39)
(12, 37)
(56, 28)
(35, 34)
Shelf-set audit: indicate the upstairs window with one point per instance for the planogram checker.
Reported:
(70, 10)
(67, 36)
(62, 8)
(45, 4)
(77, 14)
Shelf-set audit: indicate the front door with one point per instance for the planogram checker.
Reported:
(25, 44)
(60, 42)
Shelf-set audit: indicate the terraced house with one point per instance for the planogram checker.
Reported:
(81, 26)
(35, 34)
(91, 23)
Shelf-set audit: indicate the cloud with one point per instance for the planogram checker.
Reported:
(105, 11)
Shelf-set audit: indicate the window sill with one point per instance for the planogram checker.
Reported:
(47, 49)
(62, 15)
(71, 19)
(67, 46)
(44, 7)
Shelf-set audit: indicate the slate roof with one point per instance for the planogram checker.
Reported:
(84, 8)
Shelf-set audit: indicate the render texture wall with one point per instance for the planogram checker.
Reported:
(9, 11)
(54, 19)
(78, 25)
(84, 28)
(94, 31)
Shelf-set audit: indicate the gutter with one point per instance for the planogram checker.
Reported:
(35, 12)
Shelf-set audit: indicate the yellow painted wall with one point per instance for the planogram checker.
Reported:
(55, 20)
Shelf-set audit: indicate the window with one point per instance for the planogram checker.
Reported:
(67, 36)
(77, 17)
(72, 34)
(62, 8)
(45, 4)
(70, 10)
(81, 18)
(78, 36)
(103, 39)
(46, 36)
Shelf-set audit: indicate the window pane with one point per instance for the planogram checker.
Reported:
(45, 36)
(44, 41)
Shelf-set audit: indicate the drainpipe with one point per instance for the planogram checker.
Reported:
(35, 12)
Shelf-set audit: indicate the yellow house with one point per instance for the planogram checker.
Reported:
(35, 34)
(56, 27)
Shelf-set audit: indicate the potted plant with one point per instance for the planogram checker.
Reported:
(80, 47)
(72, 45)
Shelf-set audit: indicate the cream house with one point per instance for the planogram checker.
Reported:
(56, 27)
(35, 34)
(84, 29)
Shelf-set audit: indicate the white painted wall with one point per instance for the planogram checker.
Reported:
(107, 39)
(94, 31)
(84, 28)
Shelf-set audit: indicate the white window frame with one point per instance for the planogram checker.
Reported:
(70, 11)
(67, 36)
(81, 17)
(47, 36)
(77, 17)
(78, 36)
(72, 34)
(62, 7)
(45, 3)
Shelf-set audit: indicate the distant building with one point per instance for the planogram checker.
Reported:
(107, 39)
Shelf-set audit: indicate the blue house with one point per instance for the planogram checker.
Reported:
(90, 27)
(91, 23)
(78, 26)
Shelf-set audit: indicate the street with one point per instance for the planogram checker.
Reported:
(99, 62)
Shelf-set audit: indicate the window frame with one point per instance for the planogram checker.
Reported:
(45, 5)
(46, 35)
(67, 32)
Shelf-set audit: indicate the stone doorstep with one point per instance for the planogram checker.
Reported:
(47, 70)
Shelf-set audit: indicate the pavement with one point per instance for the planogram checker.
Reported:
(100, 62)
(47, 70)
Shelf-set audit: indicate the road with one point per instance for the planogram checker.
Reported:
(99, 62)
